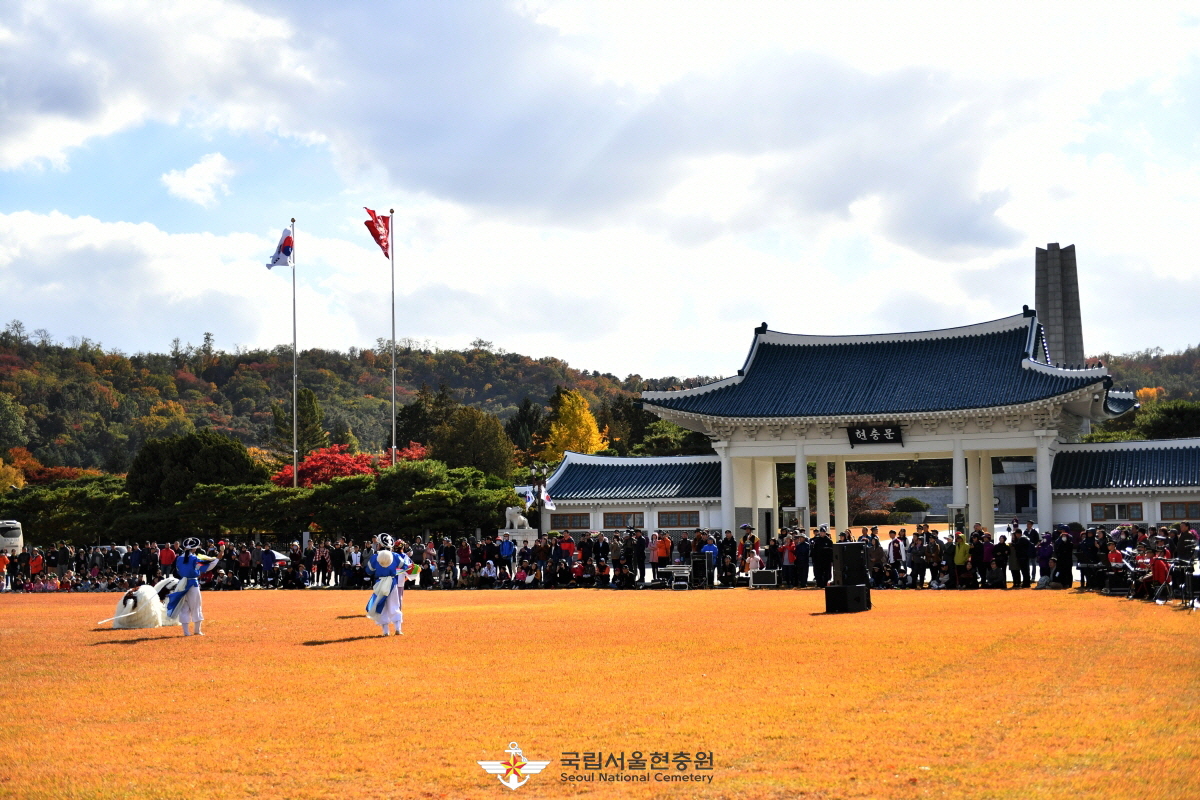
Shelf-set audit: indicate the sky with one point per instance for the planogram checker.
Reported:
(630, 187)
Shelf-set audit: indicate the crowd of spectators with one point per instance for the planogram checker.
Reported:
(621, 560)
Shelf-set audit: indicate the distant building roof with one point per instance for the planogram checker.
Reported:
(1168, 463)
(991, 364)
(582, 477)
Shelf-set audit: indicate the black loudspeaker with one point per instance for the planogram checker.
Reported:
(845, 599)
(762, 578)
(849, 563)
(700, 571)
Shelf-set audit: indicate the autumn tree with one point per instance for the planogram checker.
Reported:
(11, 477)
(863, 492)
(574, 428)
(326, 463)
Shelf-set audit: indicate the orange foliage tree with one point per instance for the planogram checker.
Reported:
(326, 463)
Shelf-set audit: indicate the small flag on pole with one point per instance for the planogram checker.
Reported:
(547, 503)
(528, 498)
(283, 253)
(378, 225)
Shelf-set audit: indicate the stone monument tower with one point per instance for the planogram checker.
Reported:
(1057, 303)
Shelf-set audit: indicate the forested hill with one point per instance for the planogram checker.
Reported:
(1178, 374)
(80, 405)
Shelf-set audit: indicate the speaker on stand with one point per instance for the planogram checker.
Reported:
(850, 592)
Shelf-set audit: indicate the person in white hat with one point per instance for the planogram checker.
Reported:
(385, 606)
(183, 604)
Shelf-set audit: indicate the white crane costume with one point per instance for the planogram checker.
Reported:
(385, 606)
(183, 604)
(143, 607)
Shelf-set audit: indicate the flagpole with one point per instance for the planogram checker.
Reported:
(392, 254)
(295, 374)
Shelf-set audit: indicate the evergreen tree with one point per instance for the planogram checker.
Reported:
(527, 423)
(12, 423)
(341, 433)
(573, 429)
(310, 434)
(627, 423)
(665, 438)
(417, 421)
(164, 471)
(473, 438)
(1174, 419)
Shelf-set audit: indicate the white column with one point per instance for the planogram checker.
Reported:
(726, 517)
(972, 488)
(1045, 498)
(840, 500)
(987, 492)
(753, 496)
(823, 492)
(801, 484)
(958, 473)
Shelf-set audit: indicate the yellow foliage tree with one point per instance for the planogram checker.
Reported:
(1150, 395)
(575, 429)
(10, 477)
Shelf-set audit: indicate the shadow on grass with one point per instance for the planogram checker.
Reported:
(134, 641)
(317, 642)
(353, 616)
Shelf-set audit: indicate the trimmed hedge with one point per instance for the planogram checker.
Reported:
(911, 504)
(875, 516)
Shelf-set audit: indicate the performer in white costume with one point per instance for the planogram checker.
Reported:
(183, 604)
(143, 607)
(390, 570)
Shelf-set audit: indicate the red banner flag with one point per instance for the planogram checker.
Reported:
(379, 226)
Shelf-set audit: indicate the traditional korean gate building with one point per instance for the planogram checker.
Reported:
(967, 394)
(1011, 387)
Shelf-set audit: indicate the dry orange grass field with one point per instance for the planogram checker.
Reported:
(932, 694)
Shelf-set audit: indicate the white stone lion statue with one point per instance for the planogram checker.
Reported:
(514, 519)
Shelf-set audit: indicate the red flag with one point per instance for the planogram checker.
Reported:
(378, 225)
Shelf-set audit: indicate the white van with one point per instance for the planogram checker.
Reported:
(12, 538)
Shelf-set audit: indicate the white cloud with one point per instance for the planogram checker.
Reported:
(76, 70)
(674, 172)
(201, 182)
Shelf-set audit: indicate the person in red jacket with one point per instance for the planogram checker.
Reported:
(166, 560)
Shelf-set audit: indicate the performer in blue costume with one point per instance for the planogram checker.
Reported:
(183, 604)
(390, 570)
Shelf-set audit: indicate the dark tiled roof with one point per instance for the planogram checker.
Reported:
(612, 481)
(1123, 469)
(902, 373)
(1118, 404)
